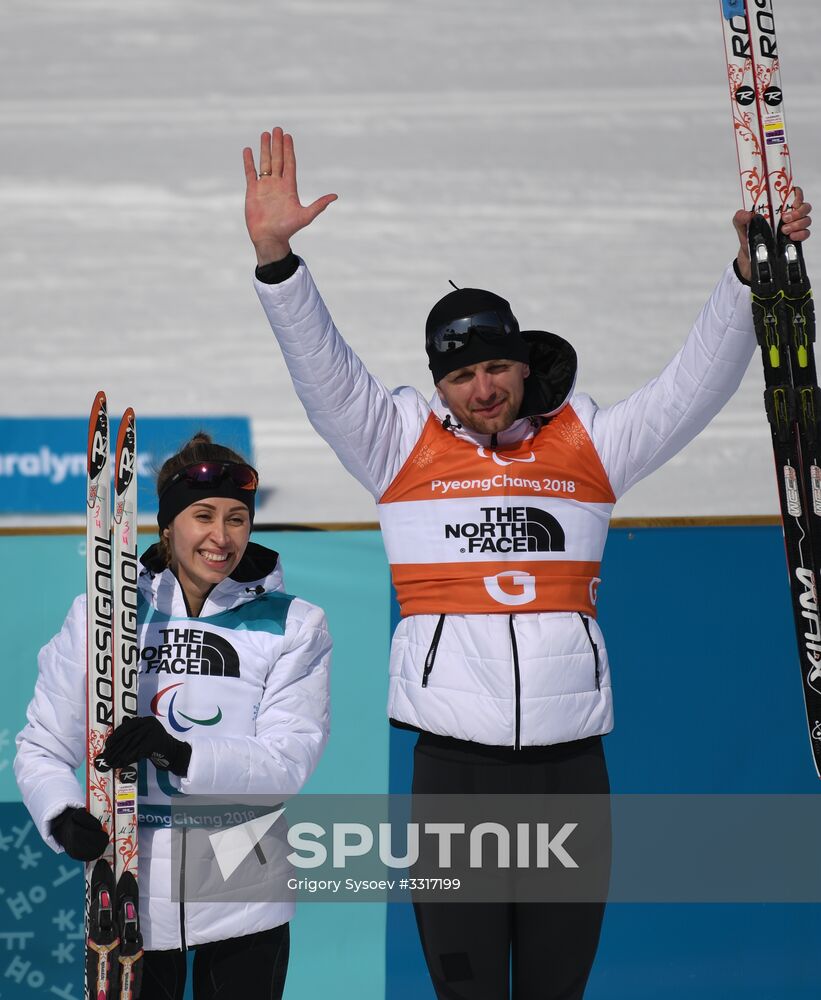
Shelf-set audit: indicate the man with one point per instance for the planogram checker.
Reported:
(494, 501)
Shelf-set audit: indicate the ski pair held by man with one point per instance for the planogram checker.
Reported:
(784, 317)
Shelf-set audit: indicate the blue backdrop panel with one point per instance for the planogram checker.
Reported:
(707, 699)
(339, 950)
(705, 667)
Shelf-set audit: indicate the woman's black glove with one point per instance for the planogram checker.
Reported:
(80, 834)
(145, 736)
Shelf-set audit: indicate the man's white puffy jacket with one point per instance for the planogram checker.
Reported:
(559, 689)
(271, 687)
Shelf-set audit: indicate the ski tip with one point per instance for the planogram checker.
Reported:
(97, 454)
(126, 454)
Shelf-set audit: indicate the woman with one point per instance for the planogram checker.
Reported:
(239, 670)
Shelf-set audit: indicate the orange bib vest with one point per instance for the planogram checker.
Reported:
(470, 530)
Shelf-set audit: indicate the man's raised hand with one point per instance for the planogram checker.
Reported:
(273, 212)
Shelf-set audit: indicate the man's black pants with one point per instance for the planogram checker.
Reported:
(474, 951)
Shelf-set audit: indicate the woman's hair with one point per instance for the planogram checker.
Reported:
(199, 449)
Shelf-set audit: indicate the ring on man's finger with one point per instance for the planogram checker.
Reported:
(265, 173)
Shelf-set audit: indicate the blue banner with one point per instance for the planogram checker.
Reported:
(43, 459)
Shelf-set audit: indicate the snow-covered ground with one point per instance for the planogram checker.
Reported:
(576, 158)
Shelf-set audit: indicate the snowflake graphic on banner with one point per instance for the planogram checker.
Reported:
(41, 913)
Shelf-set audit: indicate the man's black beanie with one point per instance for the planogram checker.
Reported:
(462, 304)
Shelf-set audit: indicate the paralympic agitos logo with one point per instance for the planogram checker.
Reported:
(509, 529)
(160, 701)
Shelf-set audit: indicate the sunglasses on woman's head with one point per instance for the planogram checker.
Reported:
(202, 475)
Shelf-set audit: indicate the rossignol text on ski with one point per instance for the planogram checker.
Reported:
(113, 940)
(784, 319)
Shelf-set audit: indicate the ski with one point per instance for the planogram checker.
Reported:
(126, 571)
(102, 940)
(113, 940)
(783, 315)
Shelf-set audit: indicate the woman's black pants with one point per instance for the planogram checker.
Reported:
(252, 967)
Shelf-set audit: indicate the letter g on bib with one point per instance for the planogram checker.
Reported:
(520, 588)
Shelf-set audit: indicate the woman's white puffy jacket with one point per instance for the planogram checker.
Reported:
(271, 687)
(557, 691)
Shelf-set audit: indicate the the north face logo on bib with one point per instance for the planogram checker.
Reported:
(509, 529)
(190, 651)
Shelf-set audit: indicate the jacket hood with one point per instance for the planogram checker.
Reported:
(259, 572)
(553, 367)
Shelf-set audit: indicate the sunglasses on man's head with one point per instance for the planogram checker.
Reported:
(455, 335)
(204, 474)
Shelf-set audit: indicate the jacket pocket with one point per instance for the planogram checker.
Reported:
(586, 622)
(434, 646)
